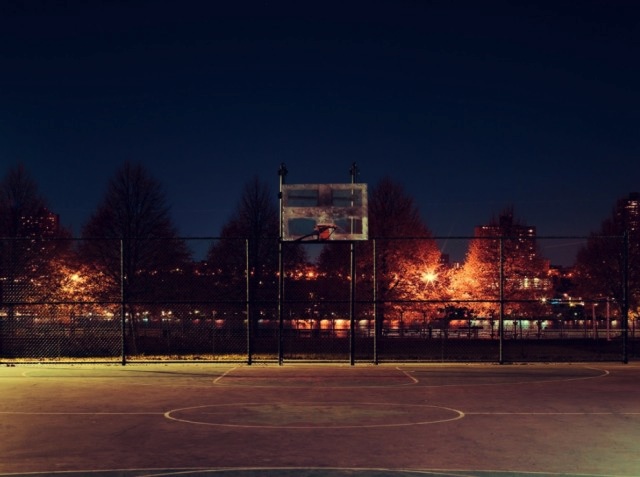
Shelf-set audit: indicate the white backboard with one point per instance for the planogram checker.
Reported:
(323, 212)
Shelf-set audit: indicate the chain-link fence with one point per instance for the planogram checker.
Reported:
(377, 301)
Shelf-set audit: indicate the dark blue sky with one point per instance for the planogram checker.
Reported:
(472, 106)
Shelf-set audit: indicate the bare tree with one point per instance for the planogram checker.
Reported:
(131, 240)
(255, 222)
(19, 198)
(255, 219)
(601, 265)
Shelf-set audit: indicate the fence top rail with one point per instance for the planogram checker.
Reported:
(269, 237)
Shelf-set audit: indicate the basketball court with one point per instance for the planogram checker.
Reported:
(320, 420)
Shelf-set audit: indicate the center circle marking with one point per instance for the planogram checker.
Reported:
(314, 415)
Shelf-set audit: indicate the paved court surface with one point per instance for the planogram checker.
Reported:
(320, 420)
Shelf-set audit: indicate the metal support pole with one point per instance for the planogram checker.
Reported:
(352, 291)
(352, 298)
(282, 172)
(123, 323)
(248, 304)
(376, 326)
(608, 318)
(501, 322)
(625, 299)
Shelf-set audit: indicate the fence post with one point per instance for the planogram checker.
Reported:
(352, 297)
(123, 324)
(376, 326)
(625, 298)
(501, 321)
(282, 172)
(248, 298)
(352, 289)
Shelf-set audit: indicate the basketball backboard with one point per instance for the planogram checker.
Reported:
(322, 212)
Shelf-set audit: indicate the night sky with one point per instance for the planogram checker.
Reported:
(471, 106)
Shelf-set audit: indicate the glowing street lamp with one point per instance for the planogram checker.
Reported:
(429, 277)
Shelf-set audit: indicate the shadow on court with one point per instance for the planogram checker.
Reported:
(320, 420)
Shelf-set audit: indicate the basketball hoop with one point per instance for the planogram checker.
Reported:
(324, 231)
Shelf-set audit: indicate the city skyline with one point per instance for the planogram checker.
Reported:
(472, 108)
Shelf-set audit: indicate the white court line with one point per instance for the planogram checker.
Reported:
(357, 470)
(461, 413)
(406, 373)
(552, 413)
(227, 373)
(457, 414)
(603, 372)
(27, 413)
(215, 381)
(127, 378)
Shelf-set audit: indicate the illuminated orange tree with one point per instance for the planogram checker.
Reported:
(73, 290)
(400, 248)
(503, 256)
